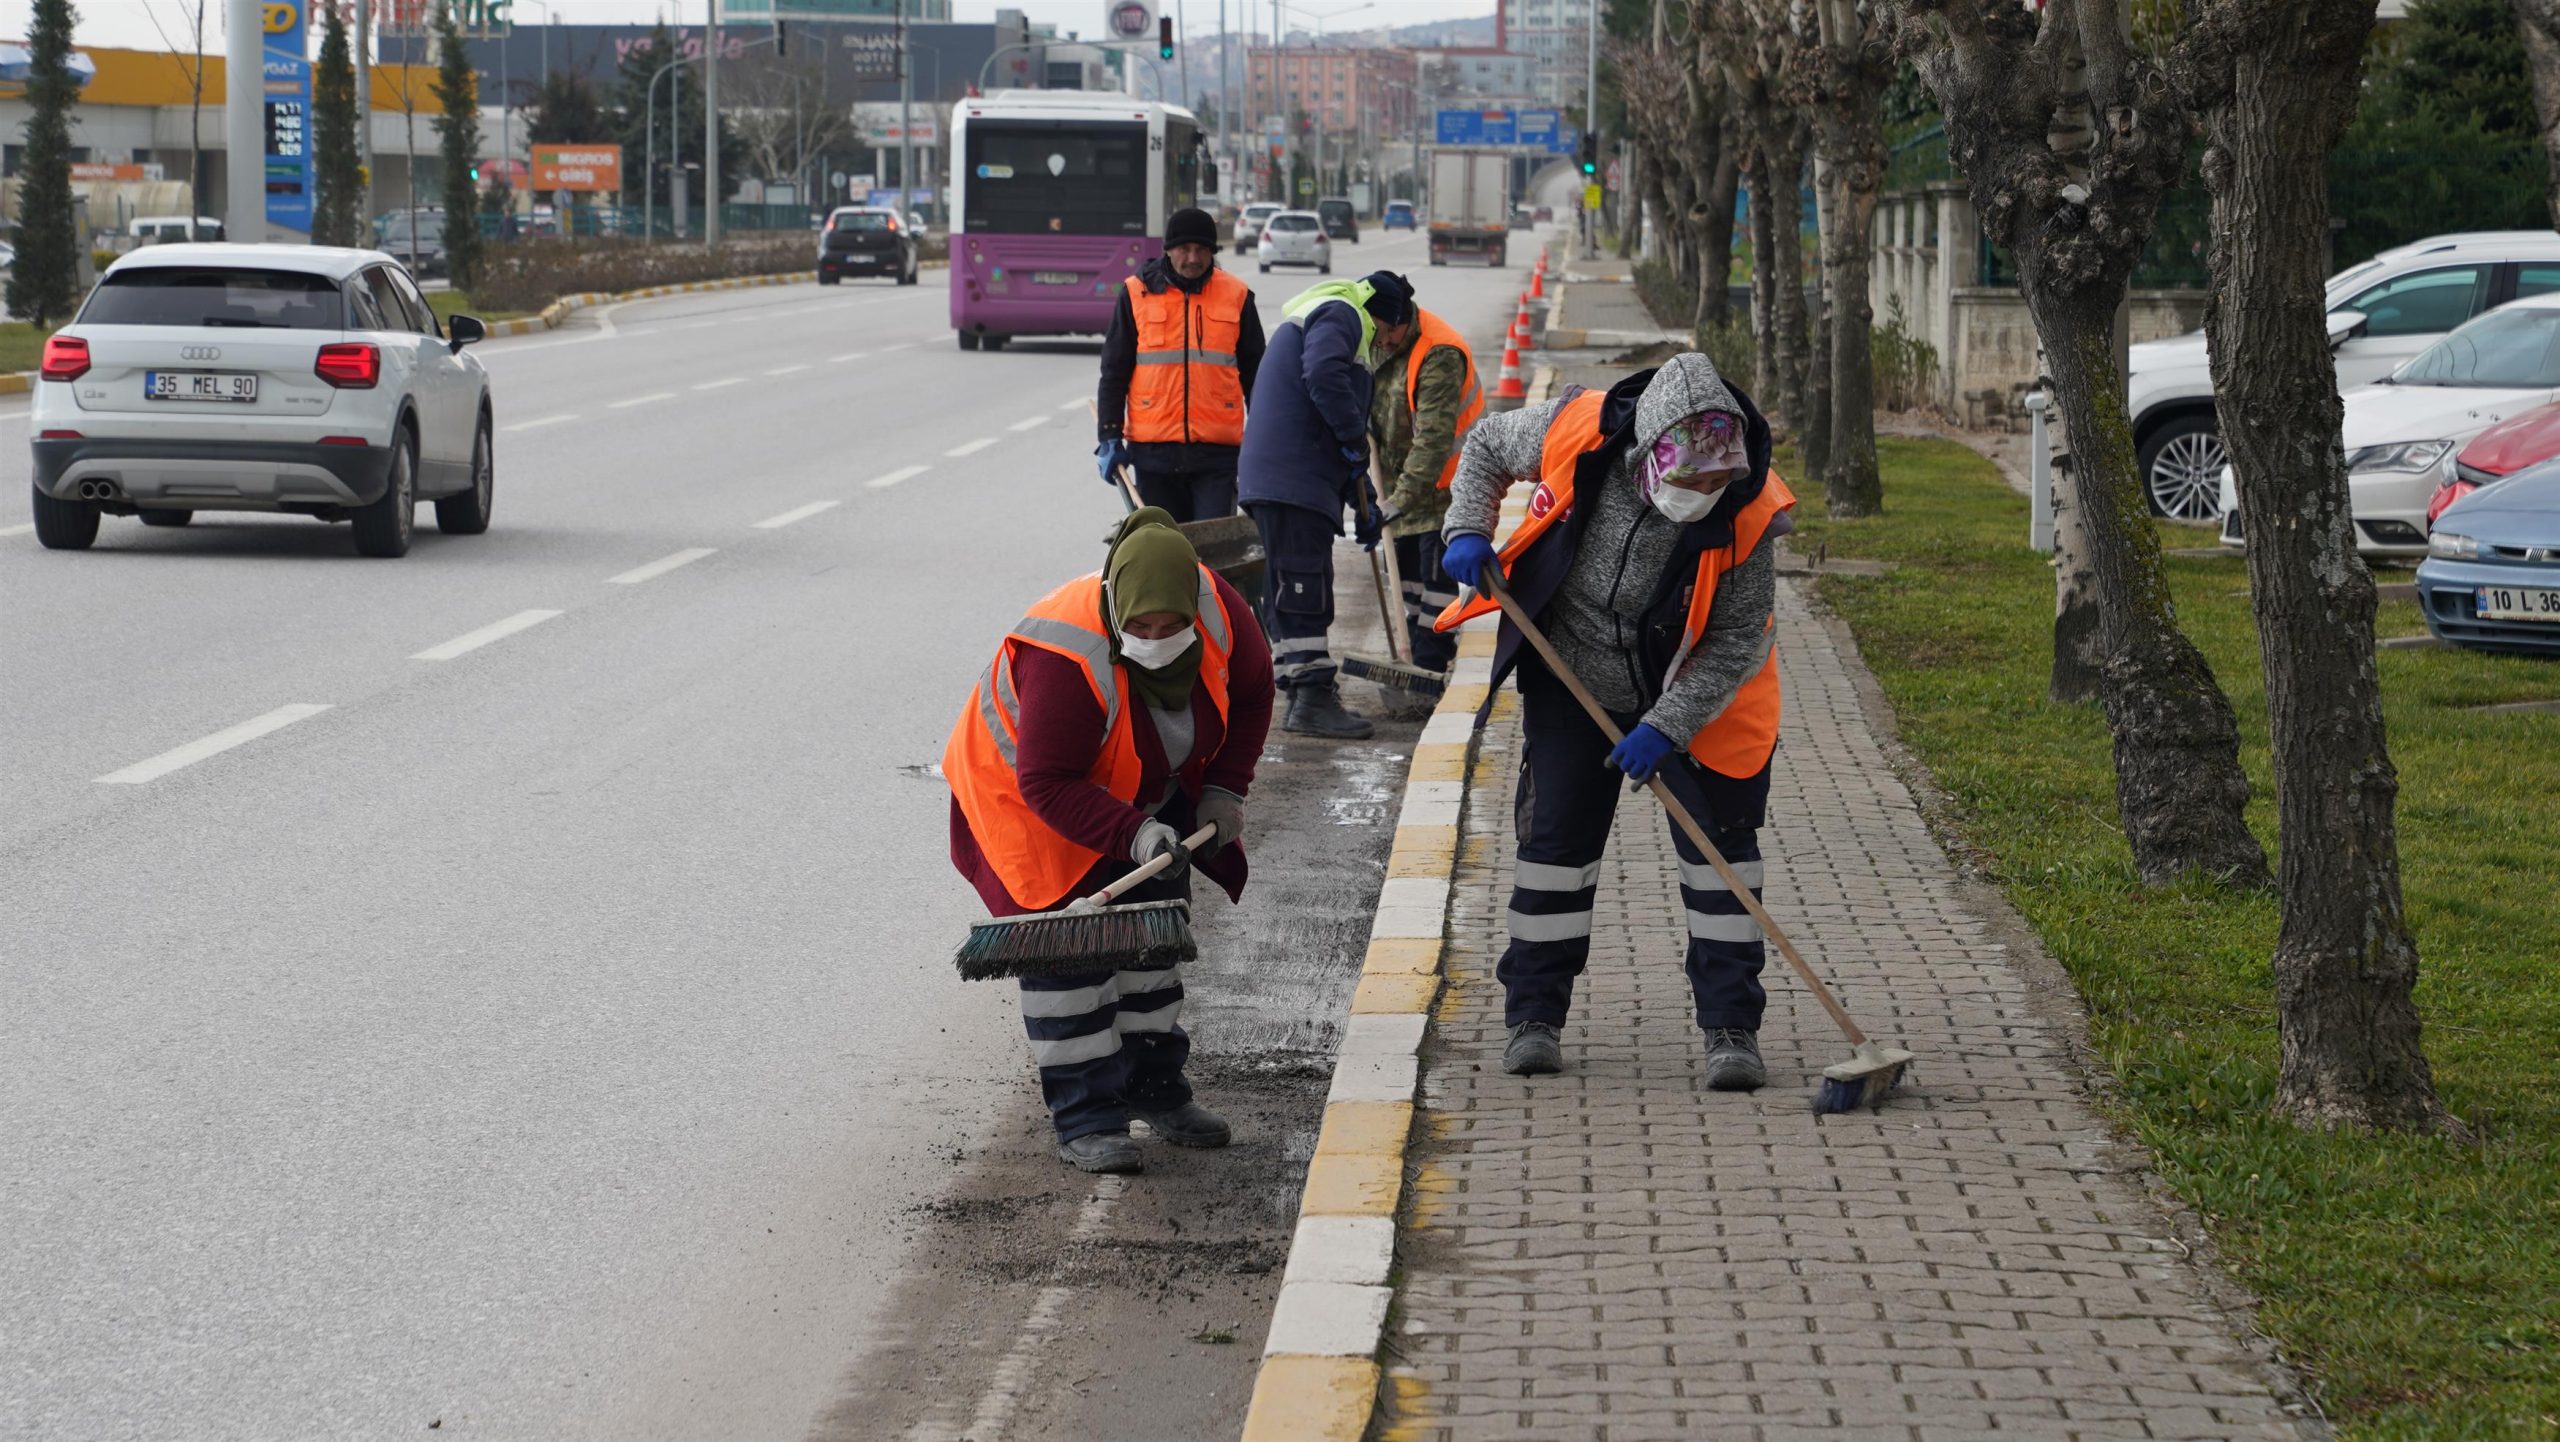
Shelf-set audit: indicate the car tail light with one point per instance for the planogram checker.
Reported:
(57, 435)
(350, 366)
(342, 440)
(66, 358)
(893, 225)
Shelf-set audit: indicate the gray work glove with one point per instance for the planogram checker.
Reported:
(1224, 810)
(1154, 839)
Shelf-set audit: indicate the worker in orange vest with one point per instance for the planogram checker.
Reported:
(1177, 364)
(1426, 400)
(1649, 557)
(1121, 714)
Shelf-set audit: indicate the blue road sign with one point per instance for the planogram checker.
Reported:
(1568, 140)
(1537, 128)
(1476, 127)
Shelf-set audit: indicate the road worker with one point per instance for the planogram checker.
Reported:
(1121, 714)
(1648, 557)
(1428, 397)
(1177, 365)
(1306, 458)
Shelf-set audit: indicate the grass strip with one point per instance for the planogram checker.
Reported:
(2416, 1282)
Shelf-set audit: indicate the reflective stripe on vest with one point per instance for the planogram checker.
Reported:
(1187, 386)
(1039, 868)
(1737, 741)
(1434, 334)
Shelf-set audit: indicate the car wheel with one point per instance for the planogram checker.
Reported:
(384, 527)
(1325, 269)
(468, 513)
(825, 279)
(995, 342)
(968, 340)
(64, 525)
(157, 516)
(1266, 267)
(2181, 464)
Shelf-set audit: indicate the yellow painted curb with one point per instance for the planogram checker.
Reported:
(1340, 1186)
(1415, 955)
(1389, 994)
(17, 382)
(1312, 1399)
(1425, 850)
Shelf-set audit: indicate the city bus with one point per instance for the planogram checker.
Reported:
(1057, 197)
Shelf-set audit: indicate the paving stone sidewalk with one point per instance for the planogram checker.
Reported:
(1618, 1253)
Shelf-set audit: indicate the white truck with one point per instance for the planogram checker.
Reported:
(1470, 206)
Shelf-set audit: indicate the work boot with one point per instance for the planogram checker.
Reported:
(1317, 710)
(1534, 1050)
(1733, 1060)
(1102, 1152)
(1188, 1125)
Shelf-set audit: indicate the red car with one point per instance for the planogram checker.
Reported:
(2497, 453)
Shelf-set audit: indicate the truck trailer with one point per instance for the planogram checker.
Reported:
(1470, 216)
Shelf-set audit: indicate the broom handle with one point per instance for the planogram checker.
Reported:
(1128, 487)
(1382, 562)
(1501, 593)
(1149, 871)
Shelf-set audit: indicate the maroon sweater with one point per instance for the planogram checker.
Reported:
(1062, 736)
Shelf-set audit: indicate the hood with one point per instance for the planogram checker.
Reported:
(2176, 350)
(1681, 387)
(2381, 414)
(2516, 442)
(2523, 510)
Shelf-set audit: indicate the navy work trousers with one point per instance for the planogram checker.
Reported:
(1427, 591)
(1189, 495)
(1568, 796)
(1297, 591)
(1110, 1040)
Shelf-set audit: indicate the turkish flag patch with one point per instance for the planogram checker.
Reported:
(1541, 501)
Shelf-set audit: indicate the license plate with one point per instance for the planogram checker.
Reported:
(198, 386)
(2516, 603)
(1054, 277)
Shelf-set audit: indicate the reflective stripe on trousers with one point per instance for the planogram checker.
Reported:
(1107, 1040)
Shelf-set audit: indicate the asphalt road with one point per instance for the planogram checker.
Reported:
(543, 1027)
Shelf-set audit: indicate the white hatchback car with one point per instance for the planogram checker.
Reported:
(1296, 237)
(309, 380)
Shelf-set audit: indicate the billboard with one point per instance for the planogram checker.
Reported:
(588, 169)
(875, 123)
(284, 117)
(472, 19)
(1542, 130)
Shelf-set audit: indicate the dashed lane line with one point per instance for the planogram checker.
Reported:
(970, 448)
(661, 566)
(902, 473)
(213, 745)
(785, 370)
(1076, 404)
(1030, 424)
(902, 345)
(796, 514)
(470, 641)
(1013, 1375)
(538, 423)
(649, 399)
(851, 355)
(722, 384)
(7, 531)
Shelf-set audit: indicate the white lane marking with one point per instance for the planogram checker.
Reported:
(1077, 404)
(902, 345)
(649, 399)
(902, 473)
(11, 420)
(1033, 424)
(971, 448)
(1013, 1375)
(851, 355)
(697, 325)
(661, 566)
(785, 370)
(535, 425)
(470, 641)
(797, 513)
(213, 745)
(722, 384)
(6, 531)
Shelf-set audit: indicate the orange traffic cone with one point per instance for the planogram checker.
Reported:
(1520, 321)
(1507, 387)
(1538, 281)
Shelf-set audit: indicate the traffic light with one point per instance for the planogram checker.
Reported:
(1164, 37)
(1590, 155)
(475, 172)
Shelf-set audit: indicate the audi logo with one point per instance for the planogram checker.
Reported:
(200, 352)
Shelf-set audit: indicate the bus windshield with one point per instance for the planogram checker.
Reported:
(1057, 177)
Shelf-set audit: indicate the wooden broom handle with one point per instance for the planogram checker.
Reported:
(1128, 487)
(1391, 578)
(1149, 871)
(1493, 586)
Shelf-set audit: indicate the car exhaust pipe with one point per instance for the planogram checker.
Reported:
(97, 490)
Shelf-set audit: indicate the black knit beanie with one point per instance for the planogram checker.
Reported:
(1190, 226)
(1393, 302)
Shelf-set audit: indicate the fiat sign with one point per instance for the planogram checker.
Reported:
(1129, 19)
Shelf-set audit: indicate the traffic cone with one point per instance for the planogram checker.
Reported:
(1507, 386)
(1520, 321)
(1538, 280)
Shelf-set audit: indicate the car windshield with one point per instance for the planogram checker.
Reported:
(397, 228)
(863, 220)
(1261, 212)
(1293, 222)
(214, 296)
(2503, 350)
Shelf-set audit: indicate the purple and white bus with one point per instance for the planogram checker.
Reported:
(1058, 196)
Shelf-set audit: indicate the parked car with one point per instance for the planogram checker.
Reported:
(415, 238)
(309, 380)
(1399, 216)
(1341, 222)
(2399, 431)
(163, 229)
(1296, 237)
(1249, 225)
(2514, 444)
(1544, 214)
(2491, 579)
(1522, 217)
(867, 240)
(2406, 298)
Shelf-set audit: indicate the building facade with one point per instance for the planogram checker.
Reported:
(1338, 90)
(1556, 34)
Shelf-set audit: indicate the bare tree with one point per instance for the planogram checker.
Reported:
(2275, 83)
(1846, 73)
(2539, 21)
(782, 117)
(1999, 72)
(1752, 43)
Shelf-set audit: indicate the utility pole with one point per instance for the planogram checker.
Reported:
(244, 36)
(1591, 120)
(711, 123)
(906, 117)
(364, 100)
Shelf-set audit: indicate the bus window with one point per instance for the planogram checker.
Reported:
(1050, 177)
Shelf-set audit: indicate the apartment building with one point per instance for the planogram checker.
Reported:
(1555, 33)
(1340, 90)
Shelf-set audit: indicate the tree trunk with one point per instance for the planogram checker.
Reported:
(1767, 364)
(1715, 242)
(1630, 213)
(2539, 22)
(1815, 426)
(1852, 485)
(2345, 963)
(1785, 177)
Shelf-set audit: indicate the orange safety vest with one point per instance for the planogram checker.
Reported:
(1737, 742)
(1186, 386)
(1038, 866)
(1434, 334)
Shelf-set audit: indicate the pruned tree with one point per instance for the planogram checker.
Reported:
(2539, 22)
(2000, 72)
(44, 281)
(337, 210)
(2275, 84)
(780, 115)
(567, 110)
(1751, 42)
(458, 150)
(1845, 75)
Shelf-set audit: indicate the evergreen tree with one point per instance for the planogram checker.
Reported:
(679, 139)
(458, 148)
(566, 110)
(338, 174)
(44, 284)
(2458, 59)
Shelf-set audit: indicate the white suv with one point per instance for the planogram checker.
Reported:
(310, 380)
(2400, 302)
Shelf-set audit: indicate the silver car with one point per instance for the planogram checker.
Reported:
(1249, 224)
(1296, 237)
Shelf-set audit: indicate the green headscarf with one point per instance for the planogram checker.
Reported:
(1152, 568)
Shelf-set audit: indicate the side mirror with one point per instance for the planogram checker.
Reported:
(1208, 176)
(2344, 326)
(462, 330)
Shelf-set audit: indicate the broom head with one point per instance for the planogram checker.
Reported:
(1077, 940)
(1395, 675)
(1863, 1081)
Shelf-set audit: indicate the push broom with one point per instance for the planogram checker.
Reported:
(1089, 934)
(1872, 1071)
(1396, 670)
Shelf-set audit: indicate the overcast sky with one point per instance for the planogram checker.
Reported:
(129, 22)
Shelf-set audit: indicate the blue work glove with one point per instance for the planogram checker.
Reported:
(1355, 459)
(1466, 559)
(1369, 526)
(1110, 456)
(1641, 753)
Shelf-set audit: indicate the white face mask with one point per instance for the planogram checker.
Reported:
(1682, 506)
(1156, 654)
